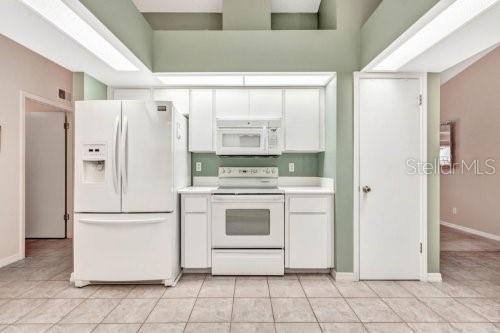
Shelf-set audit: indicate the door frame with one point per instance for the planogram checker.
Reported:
(68, 110)
(358, 76)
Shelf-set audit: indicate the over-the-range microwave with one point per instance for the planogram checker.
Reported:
(248, 137)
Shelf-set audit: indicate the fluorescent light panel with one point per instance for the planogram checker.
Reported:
(202, 80)
(452, 18)
(245, 80)
(66, 20)
(287, 80)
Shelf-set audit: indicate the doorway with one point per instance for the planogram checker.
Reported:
(390, 191)
(48, 170)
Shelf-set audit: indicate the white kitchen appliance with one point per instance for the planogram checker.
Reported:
(248, 222)
(249, 137)
(130, 158)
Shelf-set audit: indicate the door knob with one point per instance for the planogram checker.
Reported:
(366, 189)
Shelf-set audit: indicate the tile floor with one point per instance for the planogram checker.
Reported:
(35, 296)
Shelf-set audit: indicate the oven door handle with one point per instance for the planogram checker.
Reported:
(248, 198)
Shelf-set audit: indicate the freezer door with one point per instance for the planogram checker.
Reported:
(97, 134)
(125, 247)
(146, 151)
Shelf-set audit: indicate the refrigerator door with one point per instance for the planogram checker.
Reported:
(146, 151)
(125, 247)
(97, 178)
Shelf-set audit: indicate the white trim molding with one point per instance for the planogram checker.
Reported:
(358, 76)
(434, 277)
(9, 260)
(472, 231)
(343, 276)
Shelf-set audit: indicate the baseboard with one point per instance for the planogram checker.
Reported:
(343, 276)
(434, 277)
(9, 260)
(471, 231)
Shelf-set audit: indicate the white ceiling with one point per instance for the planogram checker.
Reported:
(480, 34)
(215, 6)
(27, 28)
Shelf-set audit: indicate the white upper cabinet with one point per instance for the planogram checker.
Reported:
(132, 94)
(304, 120)
(231, 103)
(180, 98)
(266, 103)
(201, 121)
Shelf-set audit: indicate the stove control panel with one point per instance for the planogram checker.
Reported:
(250, 172)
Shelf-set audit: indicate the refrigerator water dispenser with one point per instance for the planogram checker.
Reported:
(94, 163)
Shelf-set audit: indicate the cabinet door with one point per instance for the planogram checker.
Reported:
(308, 241)
(302, 120)
(180, 98)
(201, 121)
(231, 103)
(266, 103)
(195, 245)
(132, 94)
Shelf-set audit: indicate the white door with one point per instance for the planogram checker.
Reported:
(201, 121)
(146, 164)
(266, 103)
(231, 103)
(390, 204)
(302, 120)
(97, 183)
(45, 175)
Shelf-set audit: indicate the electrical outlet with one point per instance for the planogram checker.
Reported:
(454, 210)
(198, 166)
(291, 167)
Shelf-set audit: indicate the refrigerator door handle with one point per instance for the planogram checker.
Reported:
(144, 221)
(124, 155)
(115, 163)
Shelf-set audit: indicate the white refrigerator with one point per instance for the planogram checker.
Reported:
(130, 159)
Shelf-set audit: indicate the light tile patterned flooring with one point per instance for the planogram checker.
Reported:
(35, 296)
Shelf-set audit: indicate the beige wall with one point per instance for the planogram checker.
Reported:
(472, 100)
(24, 70)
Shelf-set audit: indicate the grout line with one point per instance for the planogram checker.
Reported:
(309, 302)
(195, 301)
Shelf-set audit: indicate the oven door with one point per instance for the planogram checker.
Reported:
(241, 141)
(248, 221)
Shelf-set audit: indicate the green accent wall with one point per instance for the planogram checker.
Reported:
(294, 21)
(388, 22)
(246, 15)
(123, 19)
(272, 50)
(433, 183)
(306, 165)
(344, 236)
(85, 87)
(184, 21)
(327, 14)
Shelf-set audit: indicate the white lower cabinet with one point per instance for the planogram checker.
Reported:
(309, 231)
(195, 231)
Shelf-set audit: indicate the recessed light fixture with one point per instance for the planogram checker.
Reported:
(201, 80)
(445, 23)
(66, 20)
(287, 80)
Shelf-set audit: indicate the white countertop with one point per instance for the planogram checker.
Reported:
(286, 189)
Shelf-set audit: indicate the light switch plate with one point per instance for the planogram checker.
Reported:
(198, 166)
(291, 167)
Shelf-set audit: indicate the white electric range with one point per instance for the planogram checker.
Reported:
(248, 222)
